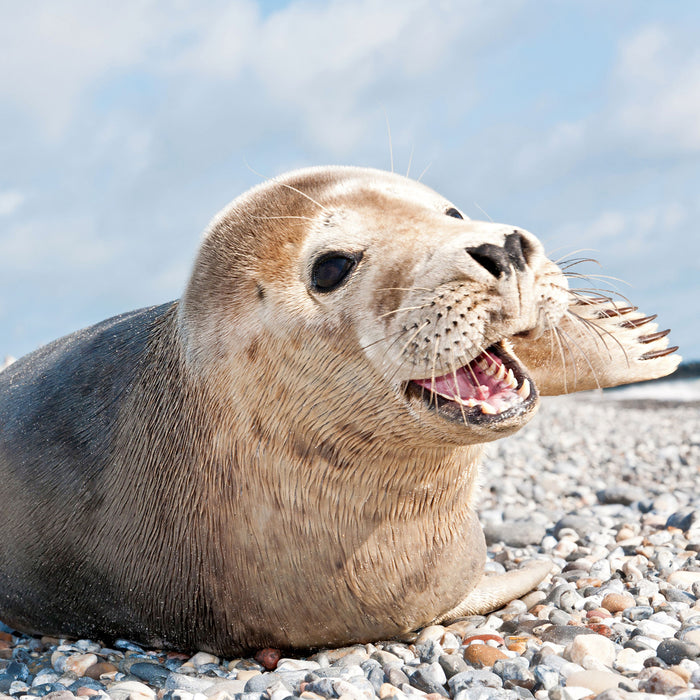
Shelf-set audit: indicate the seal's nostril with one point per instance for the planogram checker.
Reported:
(515, 253)
(492, 258)
(518, 249)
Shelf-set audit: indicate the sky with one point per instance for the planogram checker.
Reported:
(126, 126)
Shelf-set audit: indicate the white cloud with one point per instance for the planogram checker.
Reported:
(657, 90)
(10, 201)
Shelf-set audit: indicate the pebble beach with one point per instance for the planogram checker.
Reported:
(605, 486)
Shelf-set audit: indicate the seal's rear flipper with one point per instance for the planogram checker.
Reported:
(497, 590)
(598, 343)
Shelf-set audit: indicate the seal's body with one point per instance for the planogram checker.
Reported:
(287, 455)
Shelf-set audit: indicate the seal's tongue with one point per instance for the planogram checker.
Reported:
(484, 382)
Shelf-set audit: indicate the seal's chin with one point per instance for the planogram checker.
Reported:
(491, 388)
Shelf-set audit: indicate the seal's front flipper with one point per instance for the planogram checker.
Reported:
(598, 343)
(497, 590)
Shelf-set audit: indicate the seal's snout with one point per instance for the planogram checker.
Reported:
(500, 261)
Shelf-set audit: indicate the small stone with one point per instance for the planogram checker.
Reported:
(153, 674)
(547, 677)
(268, 658)
(430, 679)
(246, 674)
(452, 664)
(563, 634)
(59, 695)
(473, 678)
(638, 612)
(630, 661)
(684, 579)
(225, 690)
(130, 690)
(481, 655)
(617, 602)
(515, 671)
(593, 646)
(432, 633)
(673, 651)
(594, 680)
(192, 684)
(388, 691)
(661, 681)
(101, 669)
(79, 663)
(396, 676)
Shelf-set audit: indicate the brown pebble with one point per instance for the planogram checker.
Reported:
(589, 582)
(6, 637)
(601, 613)
(481, 655)
(84, 690)
(268, 658)
(661, 681)
(601, 629)
(96, 671)
(516, 644)
(684, 673)
(617, 602)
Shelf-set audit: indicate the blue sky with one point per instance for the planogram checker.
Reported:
(127, 126)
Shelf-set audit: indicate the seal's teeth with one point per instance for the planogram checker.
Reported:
(488, 408)
(470, 403)
(510, 380)
(489, 369)
(482, 365)
(524, 390)
(501, 373)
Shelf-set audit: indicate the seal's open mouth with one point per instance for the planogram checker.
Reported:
(493, 386)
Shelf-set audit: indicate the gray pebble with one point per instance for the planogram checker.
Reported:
(563, 634)
(154, 674)
(473, 677)
(673, 651)
(546, 677)
(452, 664)
(429, 678)
(639, 612)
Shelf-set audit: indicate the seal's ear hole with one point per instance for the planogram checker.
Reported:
(453, 212)
(331, 270)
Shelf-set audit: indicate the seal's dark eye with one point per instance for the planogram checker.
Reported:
(453, 212)
(331, 269)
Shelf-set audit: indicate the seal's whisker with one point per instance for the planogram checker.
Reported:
(265, 218)
(602, 333)
(581, 292)
(593, 277)
(454, 375)
(303, 194)
(483, 211)
(563, 358)
(410, 160)
(403, 308)
(572, 262)
(425, 170)
(564, 336)
(404, 289)
(573, 252)
(384, 338)
(284, 184)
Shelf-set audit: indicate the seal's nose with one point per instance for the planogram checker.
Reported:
(500, 260)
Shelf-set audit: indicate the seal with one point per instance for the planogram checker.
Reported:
(287, 456)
